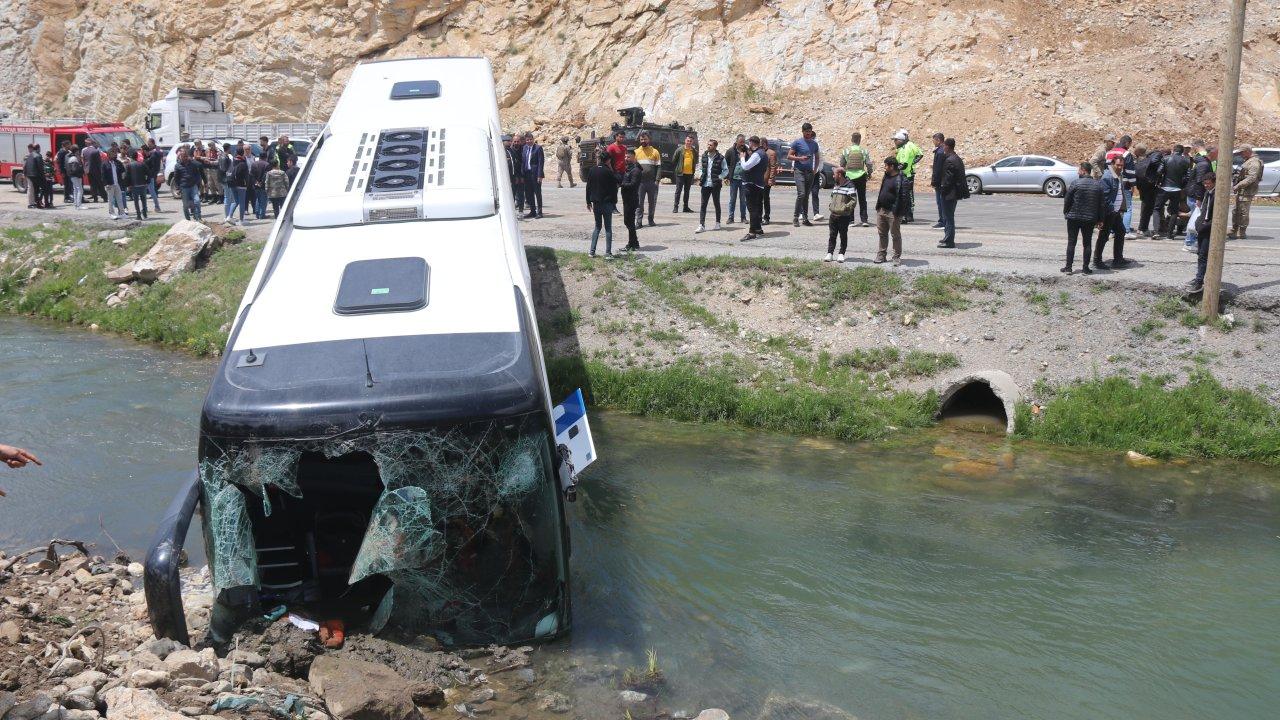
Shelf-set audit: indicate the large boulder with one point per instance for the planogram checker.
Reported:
(122, 274)
(358, 690)
(177, 251)
(124, 703)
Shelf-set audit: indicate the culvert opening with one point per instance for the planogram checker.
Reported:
(975, 405)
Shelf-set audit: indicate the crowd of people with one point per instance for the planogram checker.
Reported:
(116, 175)
(750, 169)
(242, 178)
(1175, 187)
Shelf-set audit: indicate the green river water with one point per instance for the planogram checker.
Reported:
(943, 574)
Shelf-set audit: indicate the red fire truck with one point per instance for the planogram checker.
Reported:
(49, 134)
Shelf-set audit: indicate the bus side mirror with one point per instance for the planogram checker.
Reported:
(575, 449)
(146, 123)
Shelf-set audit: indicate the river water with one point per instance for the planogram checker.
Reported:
(944, 574)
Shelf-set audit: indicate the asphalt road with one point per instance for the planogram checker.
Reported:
(1004, 233)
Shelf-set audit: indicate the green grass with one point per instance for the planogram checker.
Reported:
(558, 325)
(189, 312)
(914, 363)
(1169, 307)
(1038, 301)
(666, 336)
(1199, 419)
(1147, 327)
(945, 291)
(689, 392)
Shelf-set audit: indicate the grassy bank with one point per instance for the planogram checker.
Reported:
(645, 316)
(192, 312)
(1199, 419)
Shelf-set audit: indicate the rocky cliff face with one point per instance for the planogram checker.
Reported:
(1000, 76)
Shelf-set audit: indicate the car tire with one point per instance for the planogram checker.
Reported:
(19, 181)
(974, 183)
(1054, 187)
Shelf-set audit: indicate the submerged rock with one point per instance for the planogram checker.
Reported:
(1134, 458)
(777, 707)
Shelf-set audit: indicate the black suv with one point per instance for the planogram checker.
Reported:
(667, 138)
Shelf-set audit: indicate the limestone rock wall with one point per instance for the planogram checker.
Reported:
(1002, 76)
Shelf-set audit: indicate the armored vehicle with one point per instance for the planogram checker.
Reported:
(667, 138)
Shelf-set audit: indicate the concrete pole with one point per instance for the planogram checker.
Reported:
(1226, 143)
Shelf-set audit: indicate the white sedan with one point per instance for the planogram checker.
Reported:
(1022, 173)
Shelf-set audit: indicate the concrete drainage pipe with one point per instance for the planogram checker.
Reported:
(984, 394)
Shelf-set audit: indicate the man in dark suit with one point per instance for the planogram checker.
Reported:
(952, 189)
(532, 166)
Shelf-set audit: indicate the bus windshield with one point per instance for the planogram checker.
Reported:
(464, 523)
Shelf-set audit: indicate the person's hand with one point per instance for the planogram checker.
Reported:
(16, 457)
(588, 204)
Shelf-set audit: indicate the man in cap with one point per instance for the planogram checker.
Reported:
(564, 158)
(803, 155)
(907, 156)
(1099, 159)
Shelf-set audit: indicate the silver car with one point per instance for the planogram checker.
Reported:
(1022, 173)
(1270, 184)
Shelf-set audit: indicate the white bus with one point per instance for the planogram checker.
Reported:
(380, 443)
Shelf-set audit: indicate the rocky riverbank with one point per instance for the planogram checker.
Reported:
(75, 644)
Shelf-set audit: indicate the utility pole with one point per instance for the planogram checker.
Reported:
(1226, 144)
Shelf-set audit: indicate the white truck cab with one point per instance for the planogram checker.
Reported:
(168, 119)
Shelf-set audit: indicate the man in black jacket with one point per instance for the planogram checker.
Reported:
(892, 205)
(92, 157)
(602, 196)
(953, 189)
(1194, 189)
(1169, 192)
(1202, 226)
(33, 171)
(188, 177)
(155, 166)
(515, 152)
(60, 162)
(939, 157)
(630, 186)
(1083, 206)
(136, 174)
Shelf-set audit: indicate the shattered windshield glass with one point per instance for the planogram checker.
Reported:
(463, 522)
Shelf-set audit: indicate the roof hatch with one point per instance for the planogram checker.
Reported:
(411, 89)
(382, 285)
